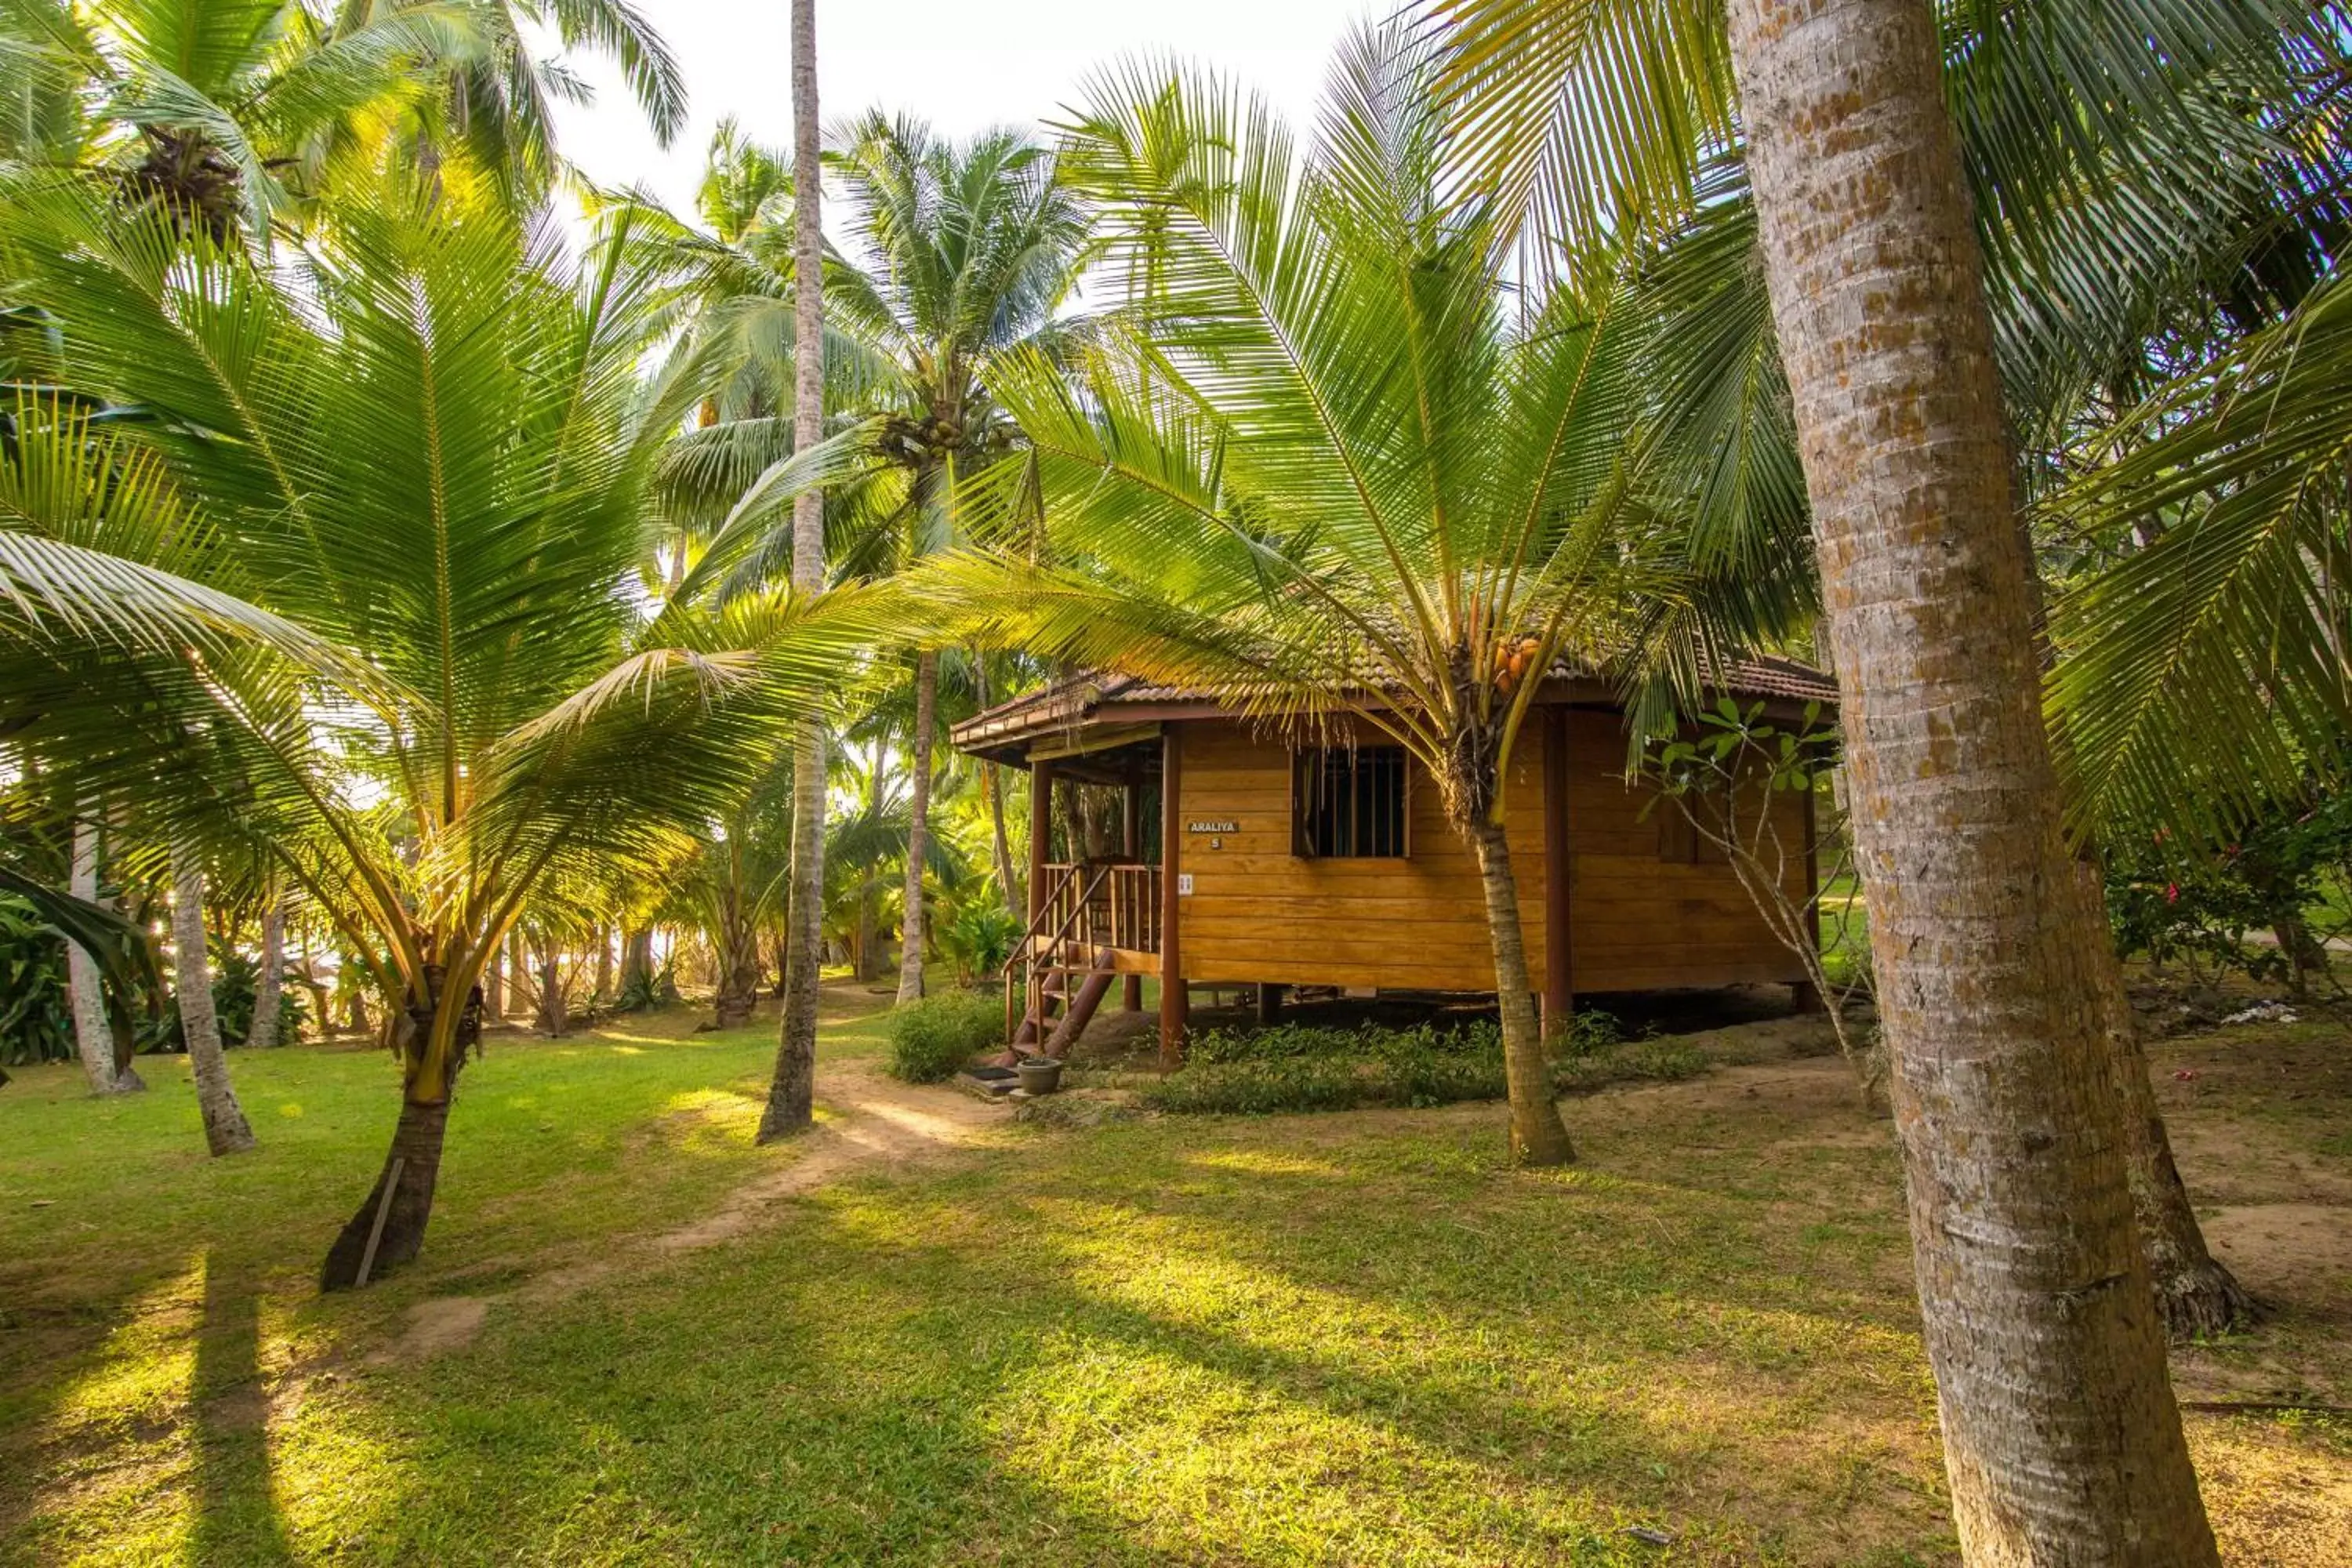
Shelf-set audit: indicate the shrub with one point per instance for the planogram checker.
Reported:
(930, 1039)
(1299, 1066)
(35, 1008)
(1285, 1042)
(979, 935)
(2244, 904)
(236, 987)
(1589, 1030)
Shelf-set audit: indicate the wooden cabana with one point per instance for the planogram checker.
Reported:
(1237, 857)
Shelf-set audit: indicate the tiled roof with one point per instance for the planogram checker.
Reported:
(1089, 695)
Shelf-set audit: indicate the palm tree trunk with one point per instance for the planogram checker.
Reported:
(2305, 956)
(1016, 898)
(413, 1165)
(319, 998)
(735, 943)
(603, 965)
(494, 985)
(638, 961)
(792, 1091)
(93, 1035)
(2061, 1437)
(553, 1018)
(226, 1131)
(1016, 903)
(2194, 1293)
(270, 983)
(1538, 1136)
(918, 824)
(863, 964)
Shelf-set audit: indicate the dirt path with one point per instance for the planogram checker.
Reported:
(873, 1124)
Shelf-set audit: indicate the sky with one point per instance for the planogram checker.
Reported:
(961, 66)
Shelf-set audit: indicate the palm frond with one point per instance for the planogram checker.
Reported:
(2206, 671)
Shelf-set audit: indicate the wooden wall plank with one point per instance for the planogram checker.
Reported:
(1257, 912)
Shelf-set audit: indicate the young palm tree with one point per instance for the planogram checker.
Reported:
(1330, 464)
(959, 254)
(424, 447)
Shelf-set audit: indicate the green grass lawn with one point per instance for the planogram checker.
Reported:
(1348, 1338)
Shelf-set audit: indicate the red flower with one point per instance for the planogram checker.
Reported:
(2172, 893)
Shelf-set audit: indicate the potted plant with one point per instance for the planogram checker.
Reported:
(1040, 1075)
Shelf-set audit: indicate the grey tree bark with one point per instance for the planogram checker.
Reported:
(226, 1131)
(919, 828)
(791, 1092)
(94, 1037)
(2061, 1437)
(270, 983)
(1538, 1136)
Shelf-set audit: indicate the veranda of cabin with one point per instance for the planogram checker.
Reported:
(1615, 892)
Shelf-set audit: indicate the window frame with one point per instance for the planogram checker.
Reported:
(1311, 765)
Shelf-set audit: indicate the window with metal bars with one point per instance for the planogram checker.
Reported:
(1349, 803)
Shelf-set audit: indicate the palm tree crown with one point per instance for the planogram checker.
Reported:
(1334, 457)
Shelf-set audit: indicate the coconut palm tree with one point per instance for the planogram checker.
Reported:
(791, 1089)
(496, 98)
(226, 1131)
(2141, 177)
(424, 447)
(1335, 462)
(2021, 137)
(240, 113)
(223, 112)
(959, 253)
(2021, 1195)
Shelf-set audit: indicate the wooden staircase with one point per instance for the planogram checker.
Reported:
(1058, 964)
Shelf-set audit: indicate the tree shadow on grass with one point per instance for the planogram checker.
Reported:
(843, 1394)
(236, 1518)
(958, 1371)
(56, 1348)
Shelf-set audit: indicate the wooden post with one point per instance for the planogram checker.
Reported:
(1040, 836)
(1173, 1002)
(1559, 999)
(382, 1213)
(1041, 833)
(1131, 992)
(1804, 994)
(1269, 1002)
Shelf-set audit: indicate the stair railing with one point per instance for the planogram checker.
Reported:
(1033, 959)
